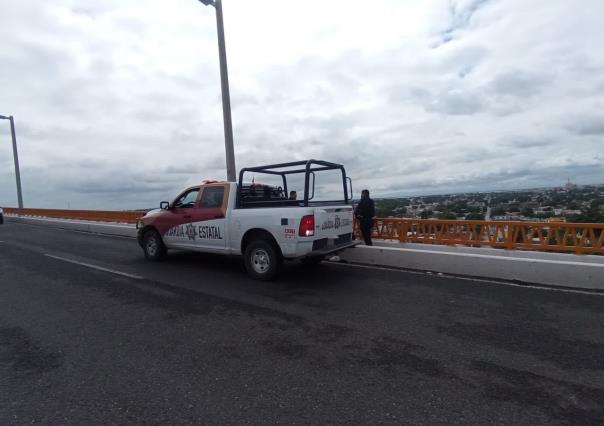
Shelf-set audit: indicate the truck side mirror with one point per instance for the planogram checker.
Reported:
(164, 205)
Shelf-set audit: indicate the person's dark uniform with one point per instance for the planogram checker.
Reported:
(365, 213)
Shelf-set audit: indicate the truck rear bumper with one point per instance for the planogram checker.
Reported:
(320, 247)
(334, 249)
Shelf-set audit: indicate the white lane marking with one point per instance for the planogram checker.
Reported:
(99, 268)
(490, 256)
(98, 234)
(595, 292)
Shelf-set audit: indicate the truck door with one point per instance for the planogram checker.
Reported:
(177, 220)
(209, 218)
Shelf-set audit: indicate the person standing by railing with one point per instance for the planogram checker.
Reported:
(365, 213)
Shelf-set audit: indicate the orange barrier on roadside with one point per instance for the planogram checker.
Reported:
(542, 236)
(96, 215)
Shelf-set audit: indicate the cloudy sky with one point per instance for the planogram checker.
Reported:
(117, 103)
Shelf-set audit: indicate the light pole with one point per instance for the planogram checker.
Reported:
(226, 97)
(16, 157)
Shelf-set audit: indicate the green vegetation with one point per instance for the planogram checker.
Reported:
(574, 203)
(474, 216)
(593, 215)
(527, 212)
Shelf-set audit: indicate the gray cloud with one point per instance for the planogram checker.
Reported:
(588, 126)
(455, 103)
(461, 14)
(518, 83)
(523, 142)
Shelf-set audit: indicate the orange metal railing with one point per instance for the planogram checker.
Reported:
(557, 236)
(97, 215)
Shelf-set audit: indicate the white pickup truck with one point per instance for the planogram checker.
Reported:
(263, 222)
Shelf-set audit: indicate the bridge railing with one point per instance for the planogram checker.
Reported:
(96, 215)
(542, 236)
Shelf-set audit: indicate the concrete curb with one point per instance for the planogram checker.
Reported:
(103, 228)
(563, 270)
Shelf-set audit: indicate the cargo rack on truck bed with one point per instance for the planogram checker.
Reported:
(250, 195)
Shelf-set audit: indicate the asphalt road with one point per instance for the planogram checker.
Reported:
(193, 340)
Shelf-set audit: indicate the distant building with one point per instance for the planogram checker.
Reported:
(555, 219)
(509, 217)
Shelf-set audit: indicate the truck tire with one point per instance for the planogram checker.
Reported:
(153, 246)
(262, 260)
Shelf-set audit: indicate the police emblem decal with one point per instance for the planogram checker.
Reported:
(191, 232)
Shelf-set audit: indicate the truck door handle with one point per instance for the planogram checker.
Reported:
(219, 216)
(188, 217)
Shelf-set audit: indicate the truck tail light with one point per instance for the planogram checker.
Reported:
(307, 226)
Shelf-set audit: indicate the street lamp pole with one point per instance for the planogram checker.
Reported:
(226, 97)
(16, 158)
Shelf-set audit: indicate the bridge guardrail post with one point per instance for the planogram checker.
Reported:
(402, 231)
(579, 240)
(509, 240)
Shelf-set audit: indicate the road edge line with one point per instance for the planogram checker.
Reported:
(99, 268)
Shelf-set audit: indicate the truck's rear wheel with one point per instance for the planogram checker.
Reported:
(153, 246)
(262, 260)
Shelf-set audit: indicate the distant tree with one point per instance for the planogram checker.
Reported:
(425, 214)
(459, 206)
(385, 207)
(589, 216)
(497, 211)
(447, 215)
(597, 202)
(514, 209)
(475, 216)
(527, 212)
(544, 215)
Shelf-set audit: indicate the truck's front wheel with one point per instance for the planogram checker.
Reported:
(153, 246)
(262, 260)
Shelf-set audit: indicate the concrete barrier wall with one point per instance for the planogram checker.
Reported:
(104, 228)
(554, 269)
